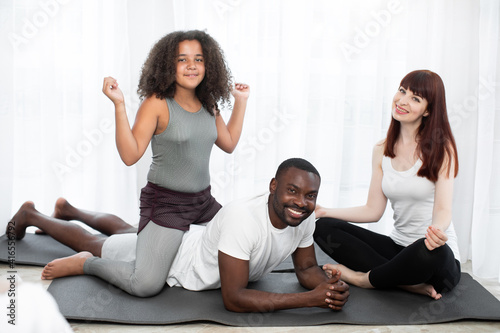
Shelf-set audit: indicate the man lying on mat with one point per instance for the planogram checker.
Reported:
(246, 240)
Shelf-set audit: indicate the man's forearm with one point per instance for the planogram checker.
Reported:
(250, 300)
(311, 277)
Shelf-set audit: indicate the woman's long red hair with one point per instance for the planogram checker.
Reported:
(435, 141)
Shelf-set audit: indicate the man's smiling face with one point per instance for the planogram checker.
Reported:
(293, 197)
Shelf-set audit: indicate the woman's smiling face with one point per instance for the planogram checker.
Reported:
(408, 107)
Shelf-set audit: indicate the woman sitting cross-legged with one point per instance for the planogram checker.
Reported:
(414, 167)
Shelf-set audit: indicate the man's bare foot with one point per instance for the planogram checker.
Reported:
(359, 279)
(72, 265)
(62, 211)
(16, 228)
(423, 289)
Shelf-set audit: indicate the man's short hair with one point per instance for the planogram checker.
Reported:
(298, 163)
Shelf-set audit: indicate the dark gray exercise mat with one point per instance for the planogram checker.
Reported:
(91, 299)
(36, 250)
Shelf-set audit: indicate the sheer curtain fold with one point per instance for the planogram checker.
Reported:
(322, 76)
(62, 127)
(486, 206)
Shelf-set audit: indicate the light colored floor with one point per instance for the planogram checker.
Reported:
(32, 274)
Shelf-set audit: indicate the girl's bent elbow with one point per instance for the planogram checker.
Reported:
(129, 162)
(227, 149)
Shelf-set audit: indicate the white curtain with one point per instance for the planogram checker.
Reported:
(57, 127)
(485, 248)
(322, 76)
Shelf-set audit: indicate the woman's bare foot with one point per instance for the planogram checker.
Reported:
(423, 289)
(16, 228)
(72, 265)
(359, 279)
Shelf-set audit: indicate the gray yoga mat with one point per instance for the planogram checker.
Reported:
(91, 299)
(36, 250)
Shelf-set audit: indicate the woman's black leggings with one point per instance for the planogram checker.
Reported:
(390, 264)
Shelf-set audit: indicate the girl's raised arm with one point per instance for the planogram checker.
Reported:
(229, 135)
(132, 143)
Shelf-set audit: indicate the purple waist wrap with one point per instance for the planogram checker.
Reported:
(172, 209)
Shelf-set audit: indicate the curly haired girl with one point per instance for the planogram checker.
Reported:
(183, 79)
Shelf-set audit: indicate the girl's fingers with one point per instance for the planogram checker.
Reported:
(110, 83)
(241, 86)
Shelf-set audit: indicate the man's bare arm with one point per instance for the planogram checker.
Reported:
(238, 298)
(310, 275)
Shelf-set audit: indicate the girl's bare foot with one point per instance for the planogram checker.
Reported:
(16, 228)
(72, 265)
(423, 289)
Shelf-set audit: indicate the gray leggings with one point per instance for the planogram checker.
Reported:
(146, 276)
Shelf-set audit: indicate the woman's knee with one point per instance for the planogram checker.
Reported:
(329, 235)
(436, 257)
(326, 226)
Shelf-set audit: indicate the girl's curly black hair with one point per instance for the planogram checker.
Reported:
(158, 71)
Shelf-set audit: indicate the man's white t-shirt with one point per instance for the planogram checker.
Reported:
(241, 229)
